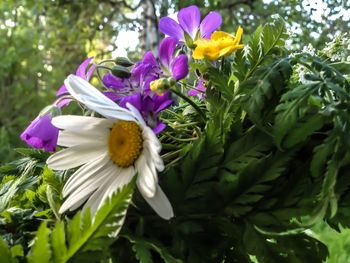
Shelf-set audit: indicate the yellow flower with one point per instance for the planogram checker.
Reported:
(220, 44)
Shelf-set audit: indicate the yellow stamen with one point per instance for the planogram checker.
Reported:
(125, 143)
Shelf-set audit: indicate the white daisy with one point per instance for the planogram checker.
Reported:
(110, 151)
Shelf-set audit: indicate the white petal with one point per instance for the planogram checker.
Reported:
(79, 196)
(79, 123)
(109, 112)
(87, 172)
(87, 94)
(147, 178)
(75, 156)
(69, 138)
(136, 113)
(160, 204)
(149, 136)
(153, 155)
(120, 178)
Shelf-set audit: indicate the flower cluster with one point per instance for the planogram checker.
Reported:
(130, 97)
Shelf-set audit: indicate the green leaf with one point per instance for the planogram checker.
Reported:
(84, 234)
(263, 43)
(105, 227)
(260, 94)
(221, 82)
(293, 107)
(303, 129)
(5, 253)
(58, 240)
(293, 248)
(41, 251)
(152, 245)
(142, 253)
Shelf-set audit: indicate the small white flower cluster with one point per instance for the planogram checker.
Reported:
(309, 49)
(338, 49)
(300, 71)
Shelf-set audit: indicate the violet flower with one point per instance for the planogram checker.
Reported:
(136, 89)
(149, 107)
(177, 66)
(189, 21)
(144, 72)
(83, 72)
(41, 134)
(199, 90)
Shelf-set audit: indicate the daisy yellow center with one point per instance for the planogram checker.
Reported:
(125, 143)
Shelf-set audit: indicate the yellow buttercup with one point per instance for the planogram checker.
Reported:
(220, 44)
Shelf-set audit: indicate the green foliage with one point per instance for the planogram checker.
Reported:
(268, 160)
(267, 41)
(10, 255)
(82, 236)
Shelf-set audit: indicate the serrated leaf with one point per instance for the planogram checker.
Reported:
(221, 82)
(293, 107)
(155, 246)
(142, 253)
(260, 94)
(58, 240)
(83, 234)
(41, 251)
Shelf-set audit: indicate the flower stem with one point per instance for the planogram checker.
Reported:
(192, 103)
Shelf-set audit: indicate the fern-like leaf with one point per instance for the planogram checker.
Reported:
(83, 235)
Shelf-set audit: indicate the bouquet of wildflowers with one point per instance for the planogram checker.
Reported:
(220, 148)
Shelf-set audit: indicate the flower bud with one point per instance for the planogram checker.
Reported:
(120, 71)
(122, 61)
(160, 86)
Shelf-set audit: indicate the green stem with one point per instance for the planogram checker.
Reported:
(181, 140)
(193, 104)
(107, 60)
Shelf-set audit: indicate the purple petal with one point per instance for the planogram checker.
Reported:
(110, 81)
(159, 128)
(179, 67)
(62, 102)
(163, 106)
(166, 50)
(147, 106)
(62, 90)
(149, 58)
(171, 28)
(81, 71)
(90, 72)
(161, 102)
(210, 23)
(41, 133)
(111, 95)
(134, 99)
(189, 19)
(200, 90)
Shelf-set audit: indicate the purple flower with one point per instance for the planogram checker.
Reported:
(145, 71)
(84, 73)
(189, 21)
(41, 134)
(176, 66)
(113, 82)
(136, 89)
(200, 90)
(149, 107)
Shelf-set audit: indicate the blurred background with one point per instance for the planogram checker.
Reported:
(42, 41)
